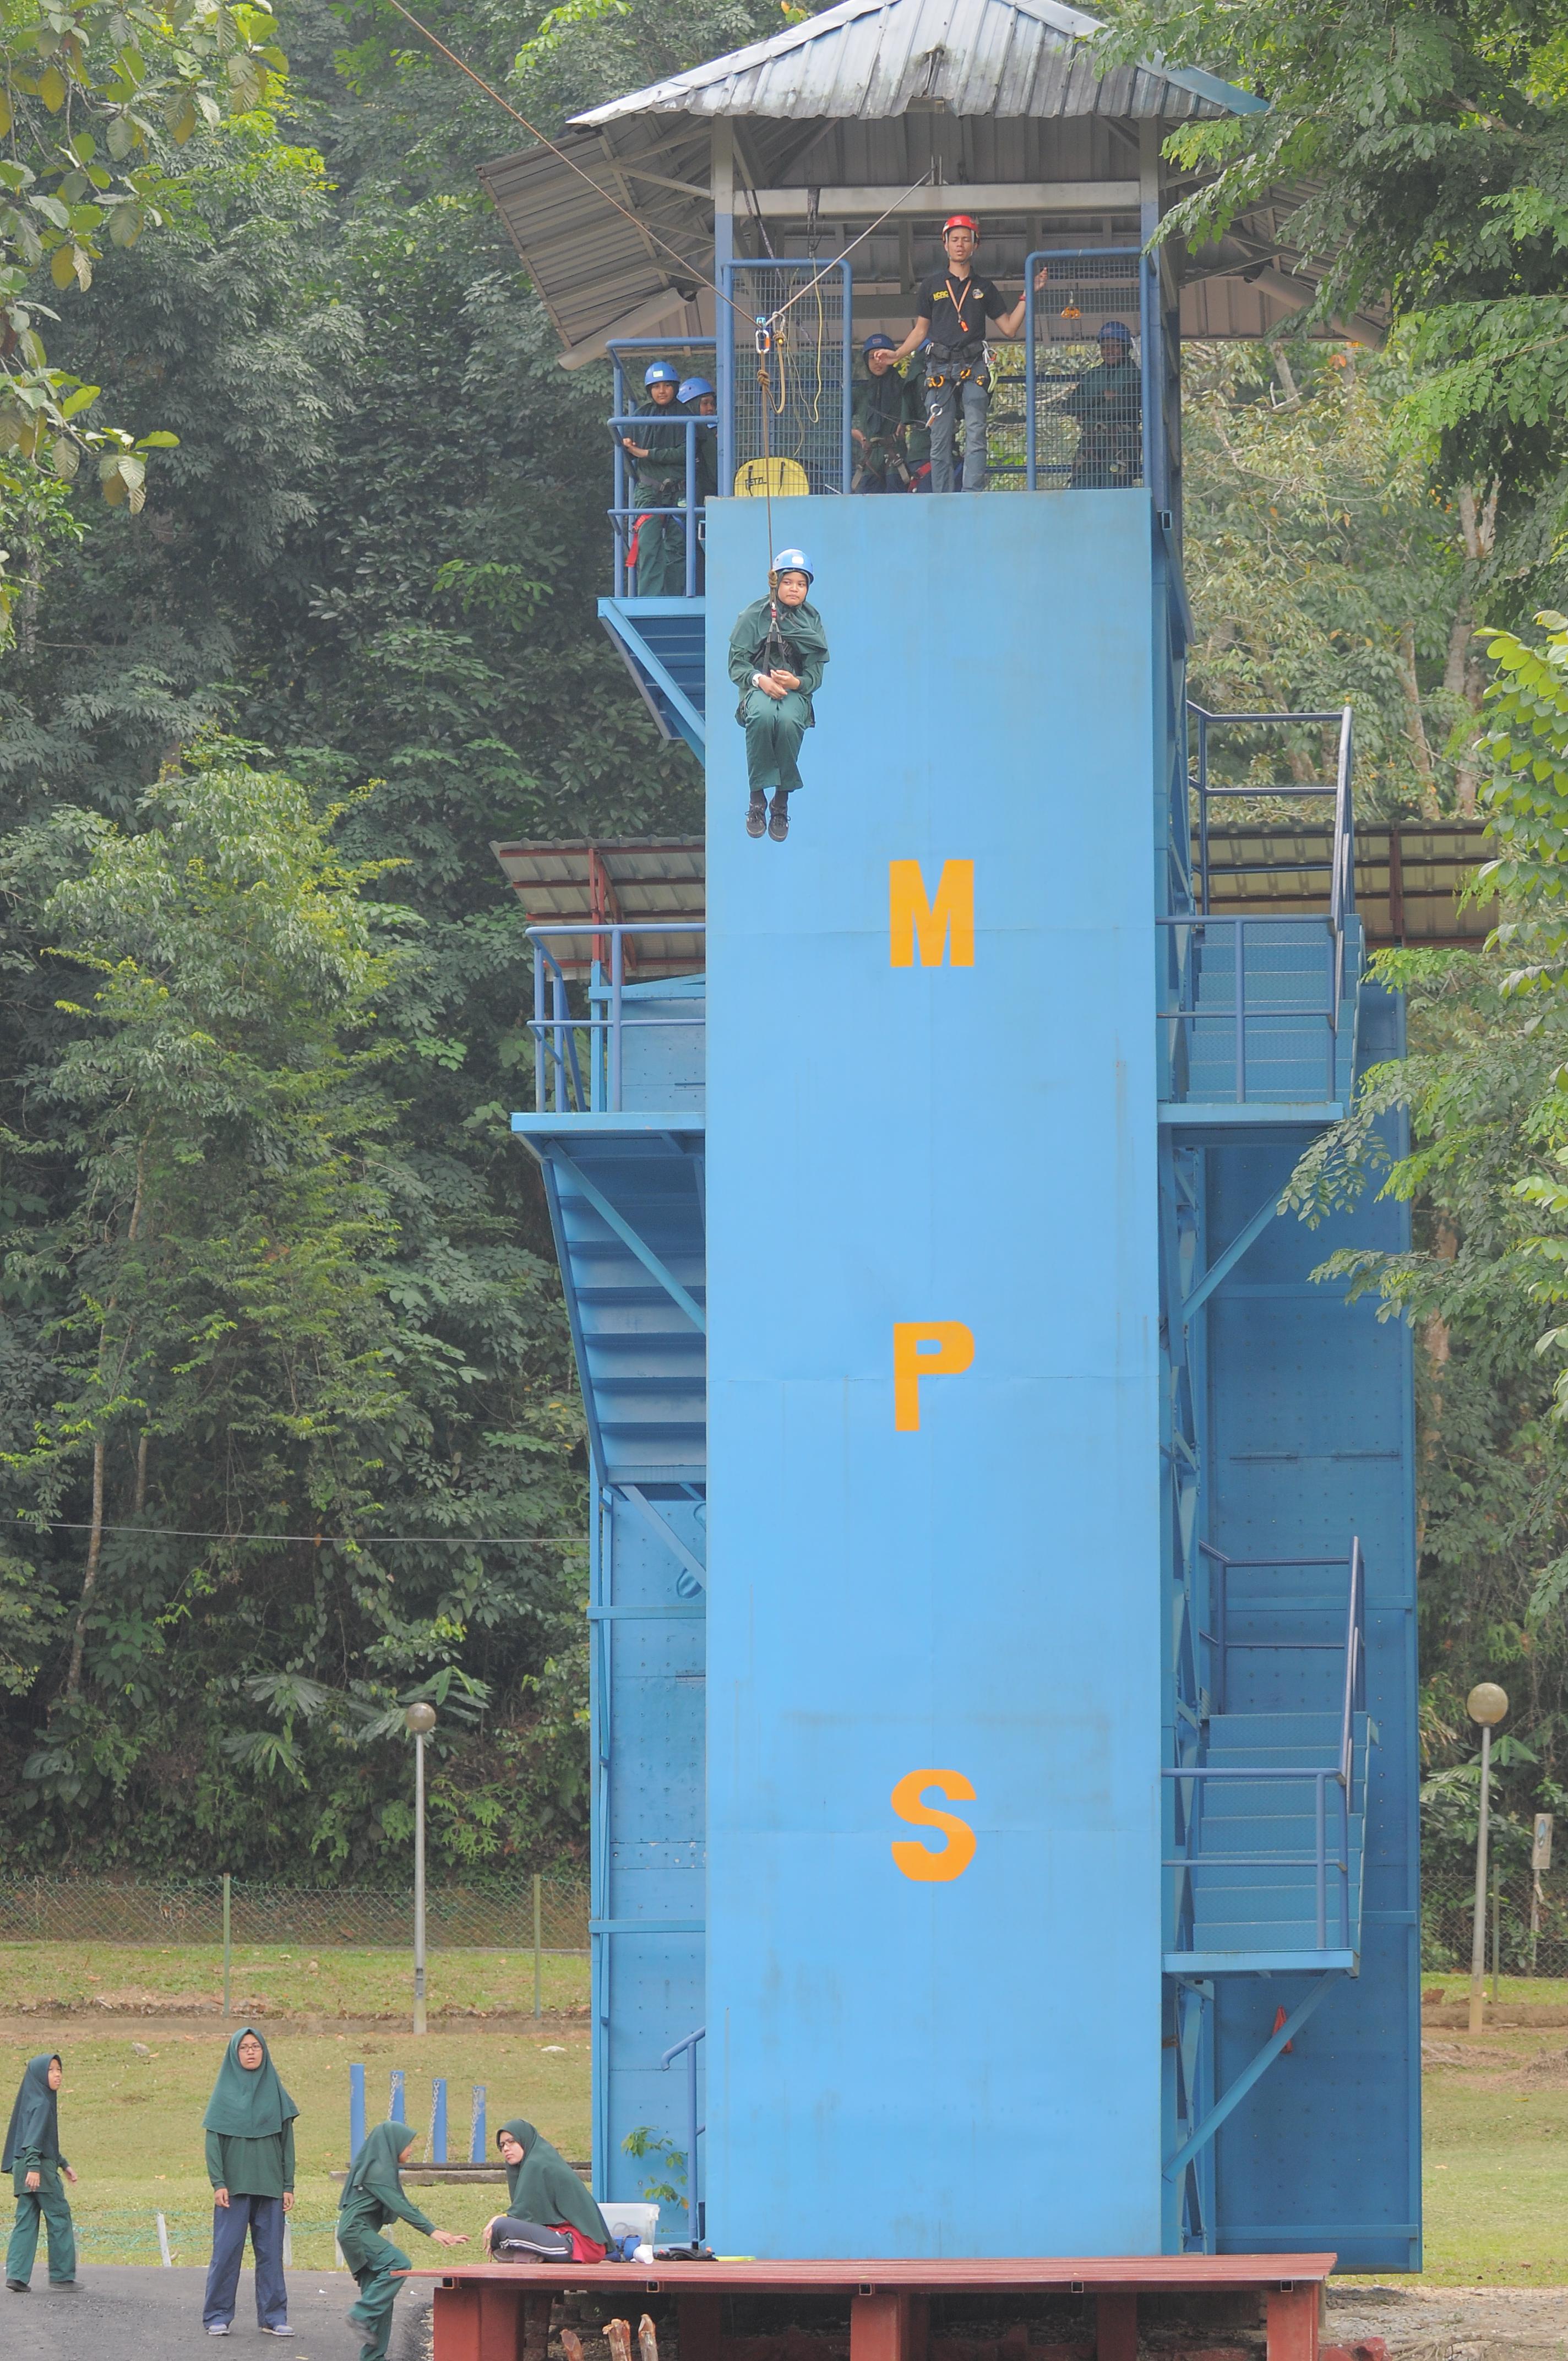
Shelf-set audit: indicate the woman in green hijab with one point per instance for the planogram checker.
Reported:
(250, 2124)
(33, 2160)
(544, 2193)
(373, 2196)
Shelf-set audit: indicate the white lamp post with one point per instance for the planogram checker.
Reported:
(1487, 1704)
(421, 1719)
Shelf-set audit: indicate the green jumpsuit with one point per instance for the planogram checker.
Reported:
(32, 2145)
(373, 2196)
(775, 725)
(1107, 402)
(661, 484)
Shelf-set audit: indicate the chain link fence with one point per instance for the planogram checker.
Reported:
(496, 1912)
(1527, 1924)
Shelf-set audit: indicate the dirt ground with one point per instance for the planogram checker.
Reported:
(1419, 2323)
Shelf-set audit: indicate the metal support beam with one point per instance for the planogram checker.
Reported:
(666, 1532)
(629, 1237)
(1007, 197)
(1223, 1266)
(1249, 2075)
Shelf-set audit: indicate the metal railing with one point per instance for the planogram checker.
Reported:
(1132, 443)
(1339, 1774)
(1189, 934)
(625, 507)
(559, 1084)
(695, 2225)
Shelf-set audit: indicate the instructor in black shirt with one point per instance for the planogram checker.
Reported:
(954, 306)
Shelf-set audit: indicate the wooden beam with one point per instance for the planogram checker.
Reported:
(931, 204)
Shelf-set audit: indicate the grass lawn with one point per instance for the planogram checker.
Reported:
(1497, 2161)
(283, 1983)
(1510, 1989)
(1495, 2122)
(131, 2124)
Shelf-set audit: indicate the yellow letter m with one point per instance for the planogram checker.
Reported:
(932, 924)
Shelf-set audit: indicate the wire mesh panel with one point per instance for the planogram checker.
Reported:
(1085, 366)
(801, 418)
(494, 1914)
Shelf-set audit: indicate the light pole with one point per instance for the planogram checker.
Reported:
(421, 1719)
(1487, 1704)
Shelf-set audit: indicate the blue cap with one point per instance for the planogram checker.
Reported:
(692, 389)
(877, 345)
(1116, 331)
(792, 561)
(662, 374)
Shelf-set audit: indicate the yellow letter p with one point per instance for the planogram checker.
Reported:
(925, 1348)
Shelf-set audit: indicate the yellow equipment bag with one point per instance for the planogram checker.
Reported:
(779, 477)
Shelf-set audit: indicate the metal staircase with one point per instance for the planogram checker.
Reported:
(1271, 1796)
(661, 642)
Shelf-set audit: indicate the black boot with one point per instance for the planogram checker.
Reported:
(757, 813)
(778, 818)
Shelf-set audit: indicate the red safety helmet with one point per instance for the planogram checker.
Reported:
(960, 221)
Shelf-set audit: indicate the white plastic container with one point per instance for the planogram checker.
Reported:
(631, 2216)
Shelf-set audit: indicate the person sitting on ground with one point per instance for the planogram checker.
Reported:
(373, 2196)
(777, 654)
(1107, 402)
(32, 2157)
(658, 456)
(886, 406)
(250, 2124)
(953, 307)
(550, 2215)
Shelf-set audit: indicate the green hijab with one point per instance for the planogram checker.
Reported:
(245, 2105)
(545, 2189)
(376, 2166)
(35, 2118)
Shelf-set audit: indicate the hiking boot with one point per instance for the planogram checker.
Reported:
(19, 2287)
(757, 813)
(778, 818)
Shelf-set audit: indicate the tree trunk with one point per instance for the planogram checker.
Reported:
(1462, 674)
(1415, 725)
(90, 1578)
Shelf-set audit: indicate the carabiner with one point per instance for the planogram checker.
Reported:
(764, 336)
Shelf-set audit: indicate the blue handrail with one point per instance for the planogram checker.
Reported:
(695, 2210)
(558, 1076)
(623, 508)
(1340, 1774)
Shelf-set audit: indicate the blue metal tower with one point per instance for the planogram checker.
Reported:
(1002, 1548)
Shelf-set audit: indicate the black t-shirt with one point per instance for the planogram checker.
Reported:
(957, 310)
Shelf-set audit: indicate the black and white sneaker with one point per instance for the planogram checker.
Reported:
(778, 818)
(757, 814)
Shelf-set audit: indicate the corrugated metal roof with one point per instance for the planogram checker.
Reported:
(635, 880)
(873, 59)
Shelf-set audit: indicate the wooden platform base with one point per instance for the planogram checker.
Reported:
(501, 2311)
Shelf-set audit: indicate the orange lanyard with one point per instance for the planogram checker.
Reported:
(958, 302)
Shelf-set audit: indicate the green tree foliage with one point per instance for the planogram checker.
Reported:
(1323, 566)
(371, 557)
(1485, 1284)
(1426, 151)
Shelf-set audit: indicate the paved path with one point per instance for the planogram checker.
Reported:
(127, 2312)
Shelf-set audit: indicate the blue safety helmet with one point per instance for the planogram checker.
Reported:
(1116, 331)
(693, 389)
(877, 345)
(662, 374)
(792, 561)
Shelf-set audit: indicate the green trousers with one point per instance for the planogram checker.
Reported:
(662, 558)
(774, 728)
(373, 2260)
(48, 2202)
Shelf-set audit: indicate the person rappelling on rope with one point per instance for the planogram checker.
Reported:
(777, 651)
(954, 306)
